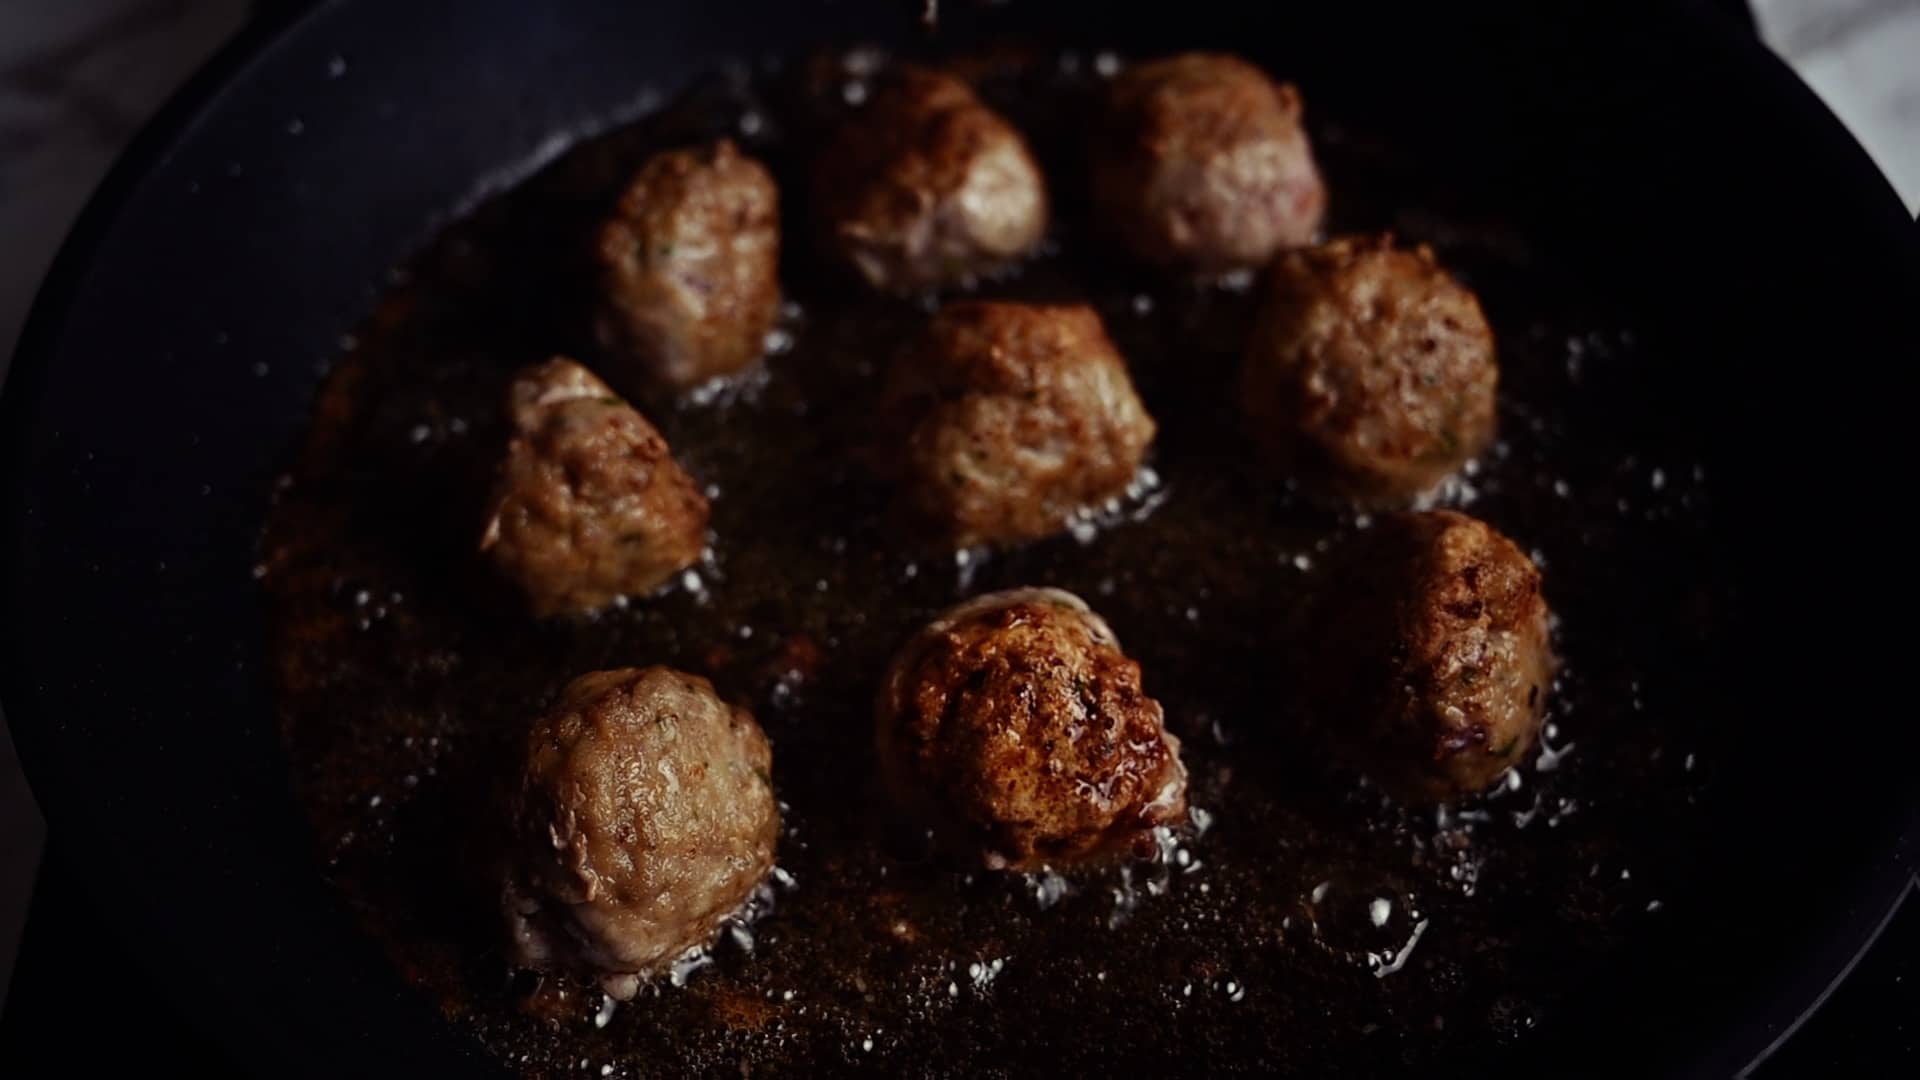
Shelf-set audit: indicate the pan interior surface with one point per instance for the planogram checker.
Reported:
(1421, 937)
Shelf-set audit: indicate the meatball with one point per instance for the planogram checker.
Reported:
(1434, 665)
(689, 266)
(927, 187)
(1370, 376)
(589, 505)
(1200, 165)
(1009, 418)
(644, 815)
(1016, 728)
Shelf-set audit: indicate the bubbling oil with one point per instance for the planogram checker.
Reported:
(1299, 923)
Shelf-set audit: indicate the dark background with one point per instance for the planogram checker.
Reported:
(68, 1013)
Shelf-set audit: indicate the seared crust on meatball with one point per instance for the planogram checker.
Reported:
(927, 187)
(1370, 376)
(1201, 165)
(644, 816)
(1015, 727)
(1434, 665)
(1007, 418)
(590, 504)
(689, 265)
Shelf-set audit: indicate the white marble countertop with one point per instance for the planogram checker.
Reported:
(78, 77)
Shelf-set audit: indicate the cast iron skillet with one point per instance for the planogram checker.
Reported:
(170, 363)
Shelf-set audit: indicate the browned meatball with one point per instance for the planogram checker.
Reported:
(1434, 665)
(589, 505)
(1012, 416)
(644, 816)
(1370, 376)
(1200, 164)
(1017, 729)
(689, 265)
(927, 187)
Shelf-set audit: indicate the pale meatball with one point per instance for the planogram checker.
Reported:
(1200, 164)
(589, 505)
(927, 187)
(1017, 730)
(644, 815)
(1433, 664)
(689, 266)
(1370, 376)
(1008, 418)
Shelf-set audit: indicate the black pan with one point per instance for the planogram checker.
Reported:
(169, 365)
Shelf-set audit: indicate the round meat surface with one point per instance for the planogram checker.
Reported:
(590, 505)
(1201, 165)
(1015, 727)
(689, 266)
(643, 817)
(1434, 664)
(926, 187)
(1370, 377)
(1011, 417)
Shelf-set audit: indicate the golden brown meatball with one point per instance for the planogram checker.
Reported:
(927, 187)
(1200, 164)
(1017, 729)
(1012, 417)
(1370, 376)
(590, 504)
(644, 816)
(1434, 665)
(689, 265)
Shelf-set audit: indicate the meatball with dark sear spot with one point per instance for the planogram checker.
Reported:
(1433, 664)
(1017, 730)
(927, 187)
(1370, 377)
(1008, 418)
(590, 505)
(643, 817)
(689, 266)
(1200, 164)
